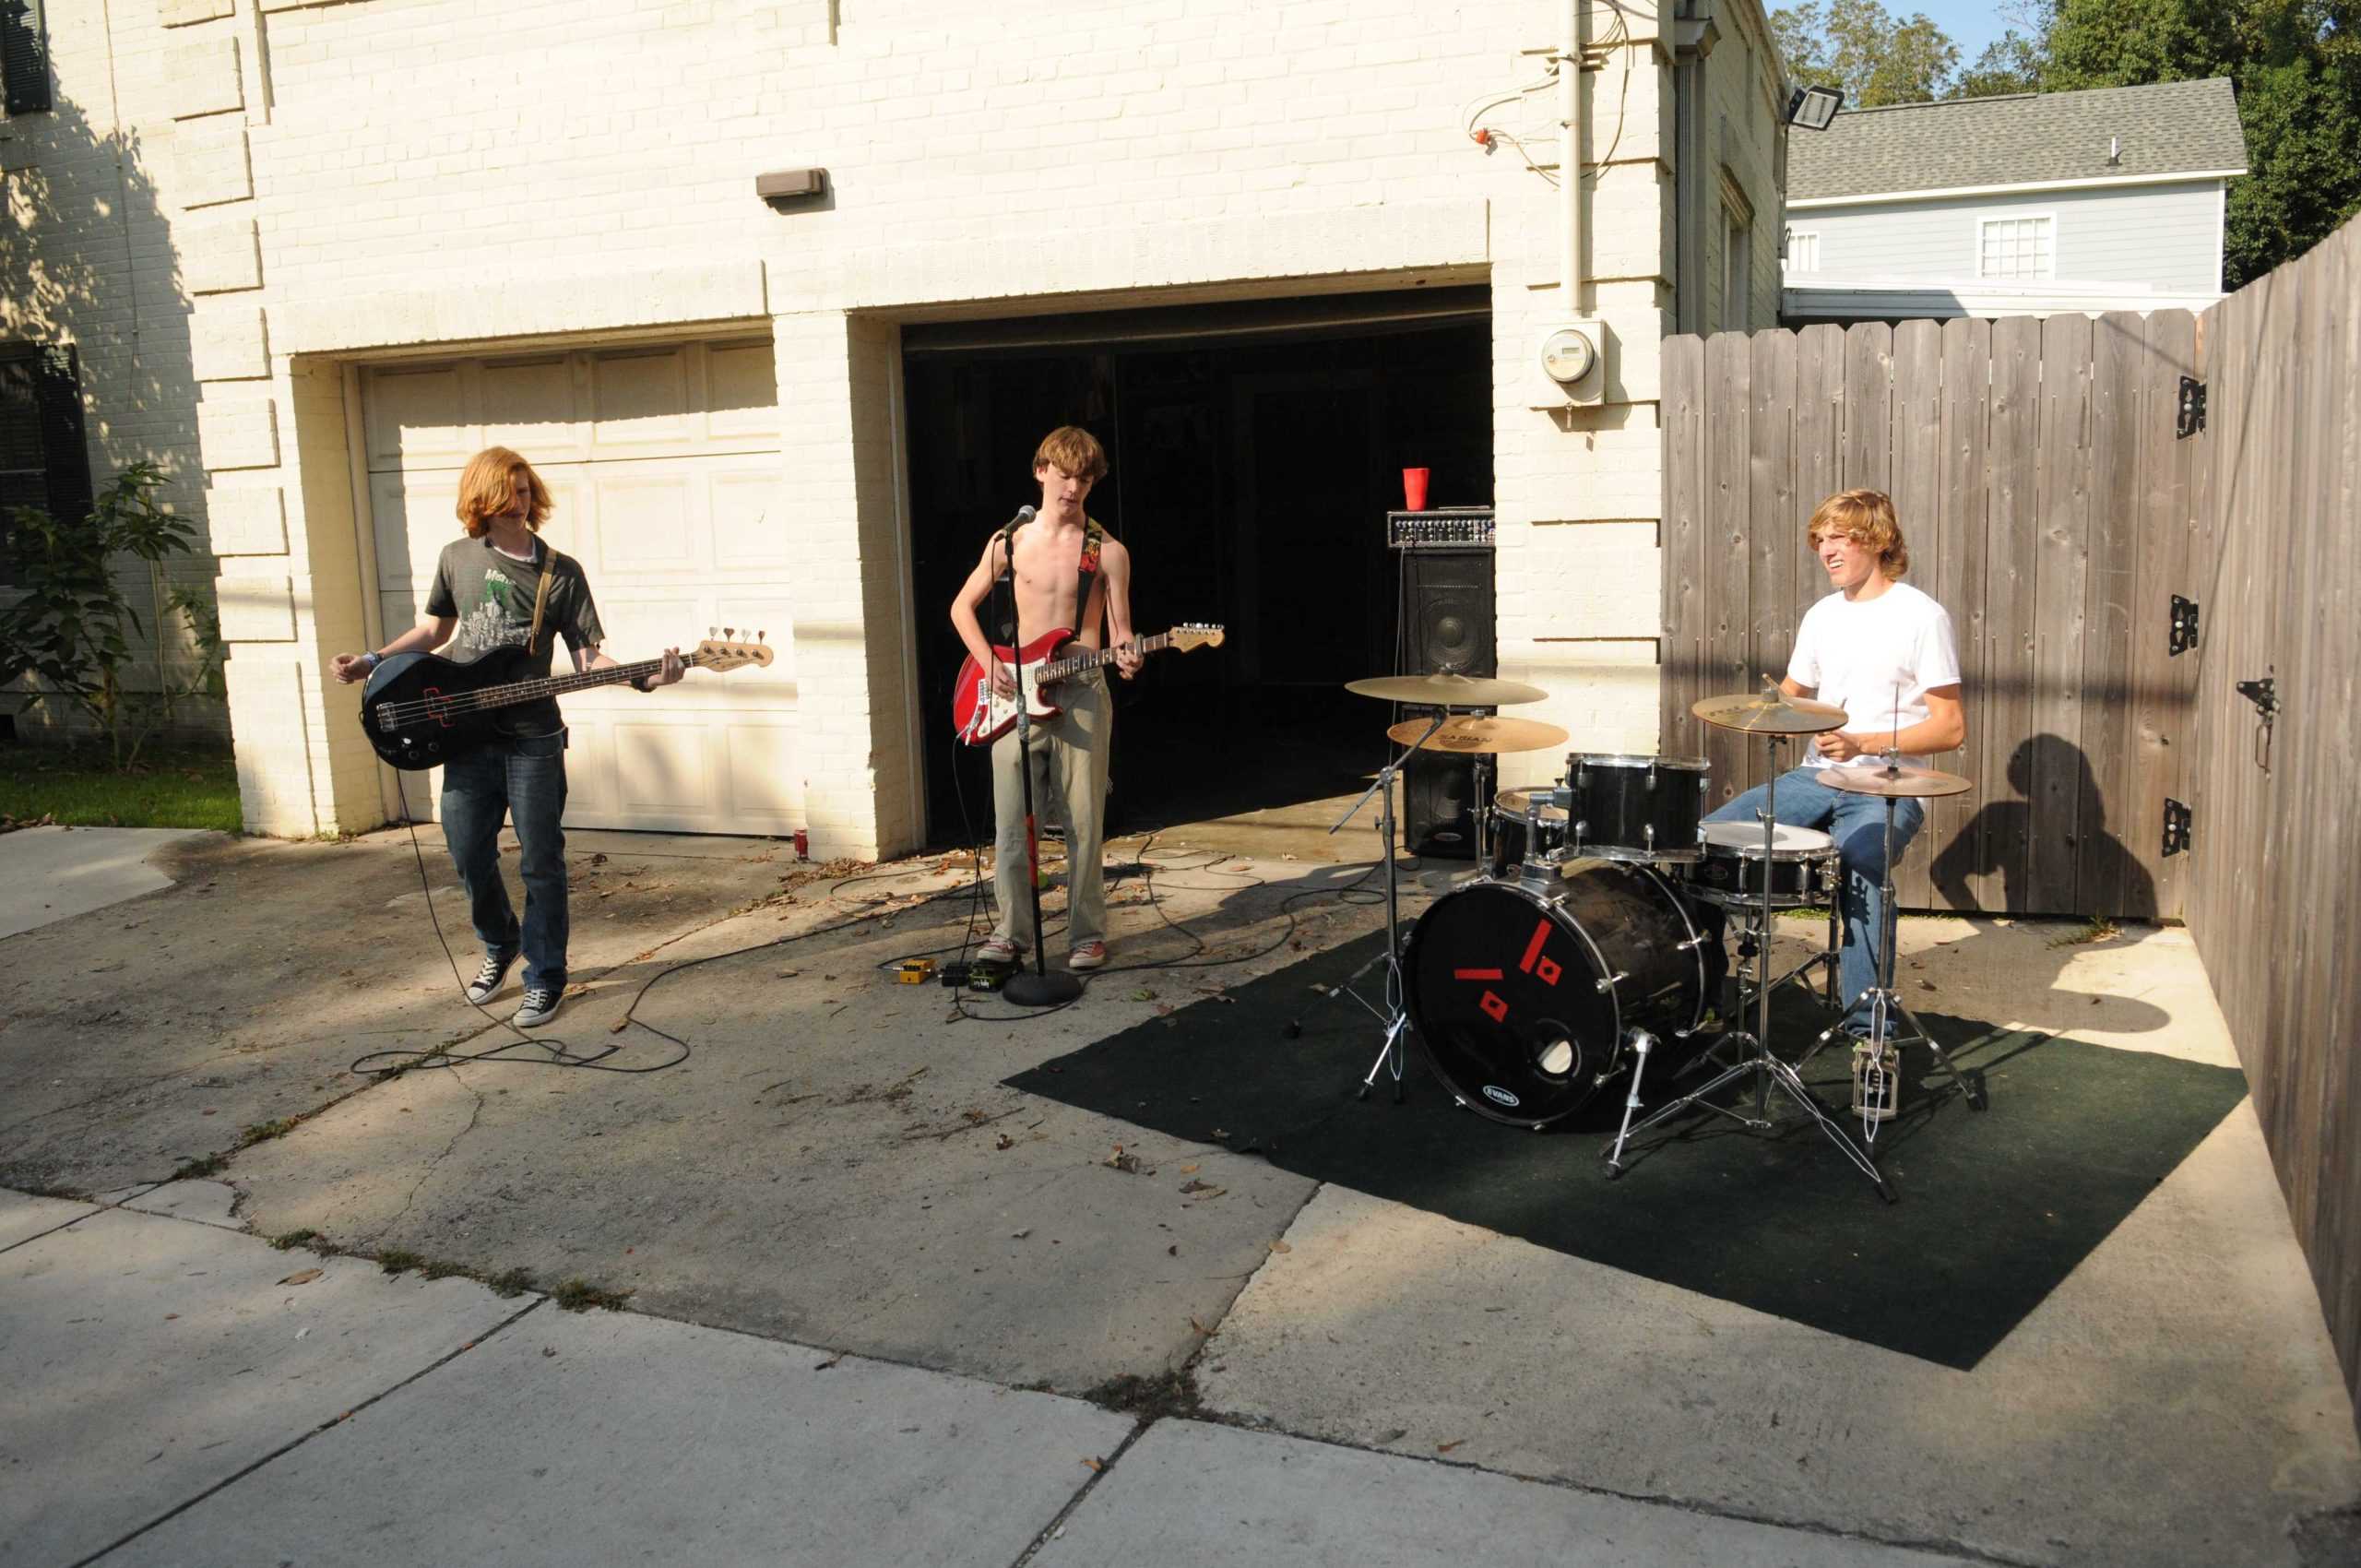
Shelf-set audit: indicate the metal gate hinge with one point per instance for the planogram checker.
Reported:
(2176, 828)
(2264, 694)
(2192, 416)
(2184, 631)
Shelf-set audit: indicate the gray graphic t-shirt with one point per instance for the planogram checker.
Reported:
(492, 596)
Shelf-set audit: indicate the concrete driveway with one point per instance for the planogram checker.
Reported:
(781, 1142)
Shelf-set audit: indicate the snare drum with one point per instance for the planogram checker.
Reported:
(1529, 830)
(1634, 808)
(1803, 866)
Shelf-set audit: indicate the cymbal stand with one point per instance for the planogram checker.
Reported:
(1879, 1081)
(1758, 1058)
(1392, 1055)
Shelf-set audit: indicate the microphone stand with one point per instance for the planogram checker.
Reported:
(1039, 988)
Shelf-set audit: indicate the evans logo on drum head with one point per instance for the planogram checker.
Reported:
(1500, 1096)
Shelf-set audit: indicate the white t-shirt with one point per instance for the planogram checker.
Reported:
(1876, 658)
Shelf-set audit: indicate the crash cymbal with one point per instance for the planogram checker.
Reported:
(1446, 691)
(1475, 732)
(1907, 783)
(1771, 713)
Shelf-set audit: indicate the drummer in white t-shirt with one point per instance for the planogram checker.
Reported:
(1882, 651)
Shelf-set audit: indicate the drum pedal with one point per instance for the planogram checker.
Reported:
(1877, 1081)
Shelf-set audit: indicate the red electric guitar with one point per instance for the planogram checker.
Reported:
(981, 715)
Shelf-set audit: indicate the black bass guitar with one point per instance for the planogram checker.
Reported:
(421, 710)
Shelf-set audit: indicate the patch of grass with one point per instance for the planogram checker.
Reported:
(78, 787)
(263, 1132)
(399, 1260)
(286, 1241)
(579, 1295)
(510, 1282)
(2099, 929)
(197, 1169)
(1149, 1398)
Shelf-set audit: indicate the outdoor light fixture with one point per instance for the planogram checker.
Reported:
(787, 185)
(1811, 108)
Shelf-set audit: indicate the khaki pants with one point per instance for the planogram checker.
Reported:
(1068, 755)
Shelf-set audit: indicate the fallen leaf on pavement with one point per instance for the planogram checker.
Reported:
(1127, 1163)
(1447, 1447)
(1281, 1247)
(1187, 1170)
(1093, 1464)
(302, 1276)
(1004, 1141)
(1204, 1189)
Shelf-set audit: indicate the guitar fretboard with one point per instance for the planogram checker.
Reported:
(1058, 670)
(580, 681)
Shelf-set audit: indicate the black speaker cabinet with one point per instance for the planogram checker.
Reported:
(1439, 799)
(1447, 613)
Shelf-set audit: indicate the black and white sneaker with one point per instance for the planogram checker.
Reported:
(540, 1006)
(486, 985)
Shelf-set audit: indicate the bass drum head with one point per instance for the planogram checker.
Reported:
(1503, 988)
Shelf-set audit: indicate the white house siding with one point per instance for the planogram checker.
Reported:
(2165, 235)
(384, 180)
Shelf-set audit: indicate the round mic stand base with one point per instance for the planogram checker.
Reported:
(1040, 987)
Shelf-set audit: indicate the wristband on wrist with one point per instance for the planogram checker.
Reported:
(640, 683)
(375, 658)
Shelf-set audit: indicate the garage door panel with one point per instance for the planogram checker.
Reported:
(664, 769)
(573, 524)
(748, 531)
(639, 399)
(529, 405)
(741, 390)
(414, 420)
(653, 522)
(765, 787)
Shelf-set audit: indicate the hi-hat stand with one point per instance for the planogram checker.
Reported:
(1876, 1055)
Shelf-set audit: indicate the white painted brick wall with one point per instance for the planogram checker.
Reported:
(204, 63)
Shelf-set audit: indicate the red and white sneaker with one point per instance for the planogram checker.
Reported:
(997, 950)
(1089, 955)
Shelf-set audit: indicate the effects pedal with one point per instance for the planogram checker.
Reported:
(913, 971)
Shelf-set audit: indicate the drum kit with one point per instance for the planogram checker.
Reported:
(1591, 931)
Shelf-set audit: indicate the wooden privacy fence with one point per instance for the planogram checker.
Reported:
(2046, 504)
(2273, 890)
(2052, 506)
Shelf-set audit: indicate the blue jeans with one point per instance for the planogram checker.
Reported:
(522, 780)
(1858, 824)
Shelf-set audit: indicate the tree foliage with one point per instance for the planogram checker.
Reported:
(1876, 57)
(68, 627)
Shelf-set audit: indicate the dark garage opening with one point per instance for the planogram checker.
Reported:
(1255, 451)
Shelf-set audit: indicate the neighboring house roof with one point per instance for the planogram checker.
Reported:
(2027, 138)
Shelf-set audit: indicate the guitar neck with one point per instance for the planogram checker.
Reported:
(580, 681)
(1096, 657)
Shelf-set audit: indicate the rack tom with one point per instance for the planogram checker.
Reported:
(1528, 832)
(1634, 808)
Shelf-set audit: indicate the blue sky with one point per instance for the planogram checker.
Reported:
(1971, 26)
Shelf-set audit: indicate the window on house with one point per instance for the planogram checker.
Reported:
(44, 462)
(1736, 272)
(2013, 247)
(24, 53)
(1803, 251)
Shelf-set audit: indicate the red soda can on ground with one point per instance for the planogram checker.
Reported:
(802, 845)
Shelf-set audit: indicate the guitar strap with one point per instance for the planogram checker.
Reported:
(541, 600)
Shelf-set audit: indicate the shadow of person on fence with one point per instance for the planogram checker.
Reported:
(2118, 886)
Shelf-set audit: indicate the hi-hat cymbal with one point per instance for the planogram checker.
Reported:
(1475, 732)
(1907, 783)
(1771, 713)
(1446, 691)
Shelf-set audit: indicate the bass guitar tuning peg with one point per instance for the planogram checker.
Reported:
(729, 631)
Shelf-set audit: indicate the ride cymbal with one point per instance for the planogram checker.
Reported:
(1904, 783)
(1475, 732)
(1769, 713)
(1446, 691)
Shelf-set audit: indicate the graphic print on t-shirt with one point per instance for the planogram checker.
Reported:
(501, 618)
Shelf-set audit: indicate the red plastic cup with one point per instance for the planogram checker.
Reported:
(1414, 490)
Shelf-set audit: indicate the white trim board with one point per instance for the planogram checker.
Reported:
(1948, 193)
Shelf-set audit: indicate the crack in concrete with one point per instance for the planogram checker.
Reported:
(427, 1175)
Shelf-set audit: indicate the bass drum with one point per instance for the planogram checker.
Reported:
(1525, 996)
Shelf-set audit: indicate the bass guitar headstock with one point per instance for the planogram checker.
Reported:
(725, 652)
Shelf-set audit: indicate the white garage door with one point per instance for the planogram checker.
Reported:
(663, 463)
